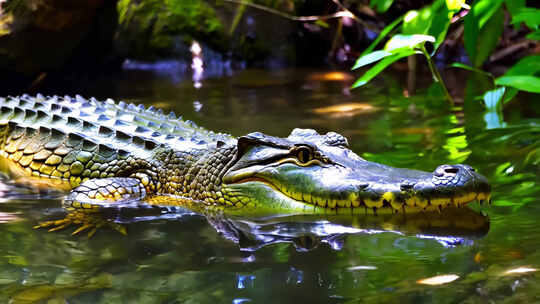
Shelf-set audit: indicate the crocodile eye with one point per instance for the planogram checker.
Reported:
(304, 154)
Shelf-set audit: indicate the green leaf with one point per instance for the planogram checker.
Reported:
(524, 83)
(370, 58)
(417, 22)
(382, 35)
(530, 16)
(470, 68)
(489, 36)
(485, 10)
(510, 94)
(432, 20)
(529, 65)
(514, 6)
(409, 20)
(381, 6)
(406, 41)
(481, 38)
(379, 67)
(439, 26)
(534, 35)
(470, 35)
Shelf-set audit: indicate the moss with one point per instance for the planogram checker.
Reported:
(149, 28)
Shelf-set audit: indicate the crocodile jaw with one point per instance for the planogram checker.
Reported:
(319, 188)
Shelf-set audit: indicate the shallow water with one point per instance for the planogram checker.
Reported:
(182, 257)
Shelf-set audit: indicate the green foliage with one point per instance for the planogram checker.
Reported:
(522, 75)
(381, 36)
(525, 83)
(432, 20)
(514, 6)
(381, 6)
(429, 24)
(529, 65)
(399, 46)
(530, 16)
(470, 68)
(375, 70)
(370, 58)
(402, 42)
(483, 26)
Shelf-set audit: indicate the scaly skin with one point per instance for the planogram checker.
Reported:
(115, 153)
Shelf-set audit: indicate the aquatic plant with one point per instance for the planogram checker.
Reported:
(417, 30)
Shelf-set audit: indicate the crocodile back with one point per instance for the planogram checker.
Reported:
(76, 139)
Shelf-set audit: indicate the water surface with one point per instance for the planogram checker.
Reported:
(184, 258)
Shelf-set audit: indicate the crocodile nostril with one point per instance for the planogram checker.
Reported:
(446, 171)
(406, 186)
(362, 187)
(451, 170)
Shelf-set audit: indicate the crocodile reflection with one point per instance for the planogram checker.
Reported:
(455, 226)
(451, 227)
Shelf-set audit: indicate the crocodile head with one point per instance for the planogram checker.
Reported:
(311, 173)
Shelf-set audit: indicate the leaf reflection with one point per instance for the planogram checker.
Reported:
(519, 270)
(439, 280)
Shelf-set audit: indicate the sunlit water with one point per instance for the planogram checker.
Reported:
(182, 257)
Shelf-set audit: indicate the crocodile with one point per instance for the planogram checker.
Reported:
(109, 154)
